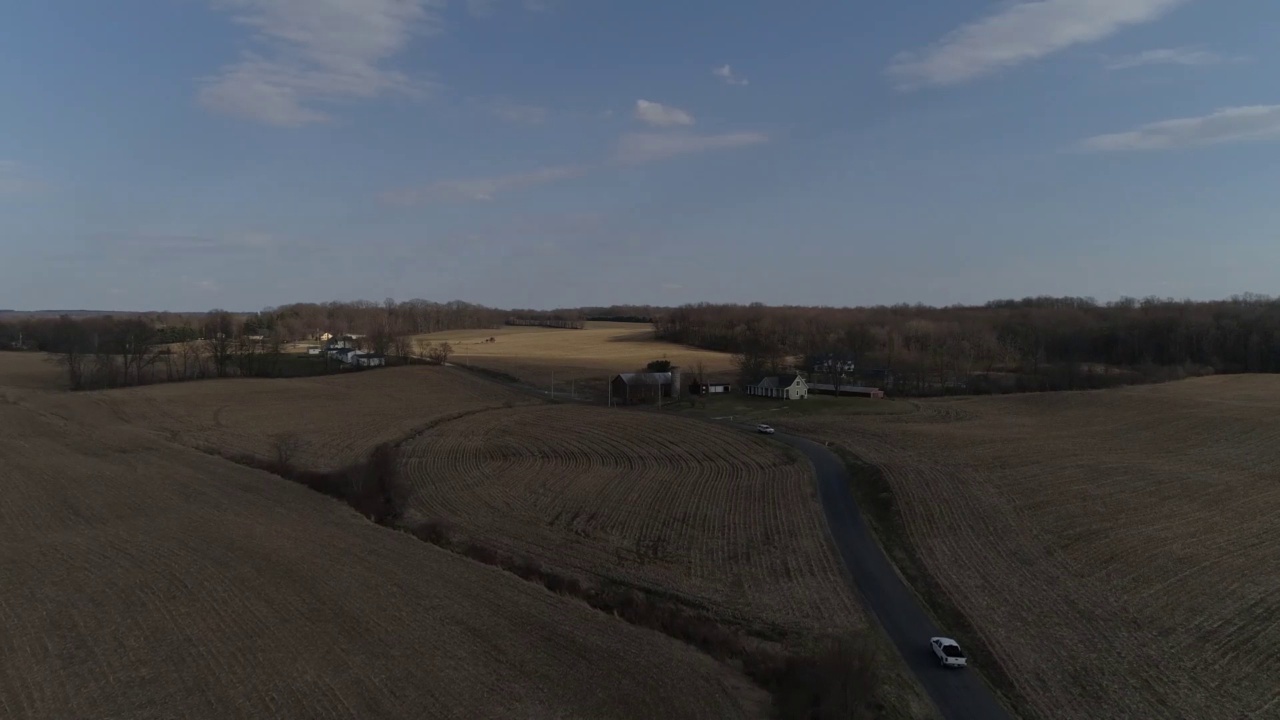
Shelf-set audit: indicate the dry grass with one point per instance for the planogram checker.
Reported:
(723, 520)
(1117, 551)
(31, 371)
(142, 579)
(595, 353)
(335, 419)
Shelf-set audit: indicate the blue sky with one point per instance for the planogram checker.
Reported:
(190, 154)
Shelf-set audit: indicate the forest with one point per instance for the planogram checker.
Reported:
(1040, 343)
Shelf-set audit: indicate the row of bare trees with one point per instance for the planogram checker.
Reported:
(1010, 345)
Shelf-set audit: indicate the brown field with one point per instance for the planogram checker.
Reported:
(595, 353)
(1118, 551)
(143, 579)
(30, 371)
(336, 419)
(724, 519)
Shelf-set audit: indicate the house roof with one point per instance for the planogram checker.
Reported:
(777, 381)
(646, 378)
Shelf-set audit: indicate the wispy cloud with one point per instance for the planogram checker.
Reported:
(1018, 33)
(1228, 125)
(725, 73)
(636, 148)
(481, 8)
(16, 180)
(161, 245)
(660, 115)
(313, 52)
(480, 189)
(518, 113)
(1167, 56)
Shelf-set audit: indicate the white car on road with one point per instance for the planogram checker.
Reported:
(764, 429)
(948, 652)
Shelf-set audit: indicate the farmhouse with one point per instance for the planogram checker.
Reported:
(370, 359)
(784, 387)
(849, 390)
(628, 388)
(343, 354)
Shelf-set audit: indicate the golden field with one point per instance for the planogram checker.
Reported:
(593, 354)
(1116, 551)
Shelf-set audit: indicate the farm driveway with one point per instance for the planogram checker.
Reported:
(959, 695)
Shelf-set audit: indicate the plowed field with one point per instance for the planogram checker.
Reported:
(336, 419)
(724, 519)
(1118, 551)
(141, 579)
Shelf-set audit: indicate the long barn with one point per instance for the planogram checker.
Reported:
(646, 387)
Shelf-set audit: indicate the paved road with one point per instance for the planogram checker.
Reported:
(959, 694)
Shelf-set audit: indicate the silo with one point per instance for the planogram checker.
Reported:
(675, 383)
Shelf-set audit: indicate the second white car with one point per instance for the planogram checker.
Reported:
(764, 429)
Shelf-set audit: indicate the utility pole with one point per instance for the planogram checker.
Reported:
(553, 384)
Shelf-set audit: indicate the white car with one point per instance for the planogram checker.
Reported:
(764, 429)
(948, 652)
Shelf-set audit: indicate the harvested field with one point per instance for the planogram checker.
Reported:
(725, 520)
(595, 353)
(1117, 551)
(142, 579)
(336, 419)
(31, 371)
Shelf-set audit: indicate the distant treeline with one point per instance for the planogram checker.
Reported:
(547, 323)
(1042, 343)
(621, 318)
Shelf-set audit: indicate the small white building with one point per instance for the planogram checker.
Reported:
(782, 387)
(370, 359)
(313, 351)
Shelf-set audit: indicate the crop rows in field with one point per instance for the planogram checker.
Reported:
(335, 420)
(1117, 550)
(145, 580)
(725, 519)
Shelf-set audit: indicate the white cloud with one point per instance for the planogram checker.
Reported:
(660, 115)
(635, 148)
(725, 73)
(1020, 32)
(478, 189)
(315, 52)
(1228, 125)
(1166, 56)
(15, 180)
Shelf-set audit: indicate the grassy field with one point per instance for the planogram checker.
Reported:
(1113, 551)
(722, 519)
(589, 356)
(143, 579)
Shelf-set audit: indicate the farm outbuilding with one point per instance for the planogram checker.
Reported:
(708, 388)
(631, 388)
(846, 390)
(370, 359)
(783, 387)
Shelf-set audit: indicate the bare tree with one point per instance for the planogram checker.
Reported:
(219, 339)
(439, 354)
(401, 347)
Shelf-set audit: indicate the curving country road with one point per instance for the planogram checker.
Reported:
(958, 694)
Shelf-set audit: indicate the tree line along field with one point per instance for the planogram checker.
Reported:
(725, 520)
(593, 354)
(1116, 551)
(143, 579)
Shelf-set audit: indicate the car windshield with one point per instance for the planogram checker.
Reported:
(952, 651)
